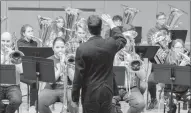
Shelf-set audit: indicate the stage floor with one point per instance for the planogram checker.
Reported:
(58, 106)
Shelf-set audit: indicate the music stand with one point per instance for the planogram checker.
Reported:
(146, 51)
(37, 51)
(8, 74)
(178, 34)
(119, 71)
(173, 75)
(39, 69)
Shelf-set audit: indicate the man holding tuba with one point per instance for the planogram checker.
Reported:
(135, 83)
(12, 92)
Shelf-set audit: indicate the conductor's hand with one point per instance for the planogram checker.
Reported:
(107, 18)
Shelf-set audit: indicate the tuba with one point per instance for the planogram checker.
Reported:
(45, 24)
(132, 66)
(173, 18)
(129, 14)
(72, 16)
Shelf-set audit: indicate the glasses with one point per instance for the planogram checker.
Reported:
(162, 19)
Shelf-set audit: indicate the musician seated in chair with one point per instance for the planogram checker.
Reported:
(53, 92)
(178, 57)
(135, 84)
(28, 39)
(11, 92)
(154, 37)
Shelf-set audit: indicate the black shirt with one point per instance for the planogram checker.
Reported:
(23, 43)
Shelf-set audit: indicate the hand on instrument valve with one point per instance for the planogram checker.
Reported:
(62, 58)
(186, 59)
(57, 71)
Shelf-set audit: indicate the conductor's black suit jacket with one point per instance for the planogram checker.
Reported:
(94, 63)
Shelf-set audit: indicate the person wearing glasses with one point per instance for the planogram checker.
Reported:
(160, 25)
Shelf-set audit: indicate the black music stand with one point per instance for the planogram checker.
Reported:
(37, 51)
(39, 69)
(7, 74)
(119, 72)
(146, 51)
(173, 75)
(178, 34)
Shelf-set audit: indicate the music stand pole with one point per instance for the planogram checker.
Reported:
(37, 83)
(172, 78)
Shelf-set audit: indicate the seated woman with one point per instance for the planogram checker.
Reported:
(12, 92)
(135, 84)
(54, 92)
(27, 40)
(177, 57)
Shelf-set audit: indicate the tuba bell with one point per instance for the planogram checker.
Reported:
(16, 56)
(129, 14)
(72, 16)
(136, 63)
(70, 58)
(173, 18)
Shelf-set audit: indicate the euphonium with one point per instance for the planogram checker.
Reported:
(136, 63)
(16, 56)
(173, 18)
(129, 14)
